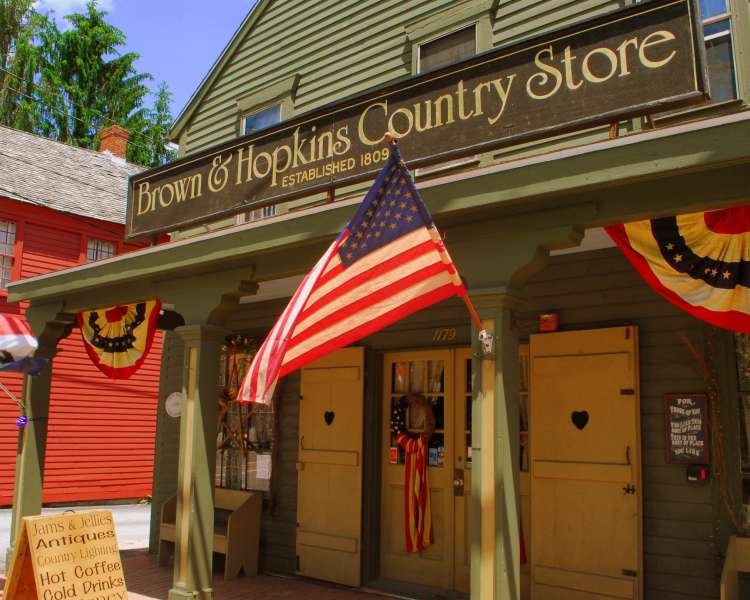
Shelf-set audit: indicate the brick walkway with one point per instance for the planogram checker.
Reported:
(147, 581)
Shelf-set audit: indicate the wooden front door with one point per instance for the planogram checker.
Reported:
(585, 466)
(444, 377)
(329, 501)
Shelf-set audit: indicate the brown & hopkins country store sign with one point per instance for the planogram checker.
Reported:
(639, 60)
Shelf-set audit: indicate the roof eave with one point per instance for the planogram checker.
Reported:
(192, 104)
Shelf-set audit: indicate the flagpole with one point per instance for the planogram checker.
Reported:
(483, 335)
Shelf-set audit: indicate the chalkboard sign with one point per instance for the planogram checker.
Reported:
(686, 428)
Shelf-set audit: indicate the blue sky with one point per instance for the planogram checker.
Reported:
(178, 40)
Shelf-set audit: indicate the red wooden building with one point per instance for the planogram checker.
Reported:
(61, 206)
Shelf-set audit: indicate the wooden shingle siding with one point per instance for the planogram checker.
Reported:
(101, 431)
(47, 249)
(600, 289)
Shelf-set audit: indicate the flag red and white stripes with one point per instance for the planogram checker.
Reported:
(387, 264)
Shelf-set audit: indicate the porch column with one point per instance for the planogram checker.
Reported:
(197, 462)
(32, 439)
(496, 562)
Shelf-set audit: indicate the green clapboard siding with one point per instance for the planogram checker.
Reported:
(345, 47)
(338, 49)
(520, 19)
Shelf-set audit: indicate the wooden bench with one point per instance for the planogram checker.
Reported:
(236, 530)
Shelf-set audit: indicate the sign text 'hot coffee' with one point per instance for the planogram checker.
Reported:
(633, 62)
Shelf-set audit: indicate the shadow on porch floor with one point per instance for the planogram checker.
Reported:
(147, 581)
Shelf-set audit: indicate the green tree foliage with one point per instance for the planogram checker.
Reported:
(68, 85)
(19, 24)
(149, 132)
(14, 14)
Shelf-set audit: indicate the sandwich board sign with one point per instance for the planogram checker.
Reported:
(73, 556)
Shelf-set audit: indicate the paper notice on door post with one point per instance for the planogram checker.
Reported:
(264, 466)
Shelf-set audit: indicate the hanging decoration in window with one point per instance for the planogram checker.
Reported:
(246, 452)
(699, 262)
(118, 338)
(418, 522)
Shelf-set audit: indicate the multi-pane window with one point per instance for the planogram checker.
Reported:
(7, 243)
(448, 49)
(100, 249)
(257, 214)
(261, 119)
(717, 32)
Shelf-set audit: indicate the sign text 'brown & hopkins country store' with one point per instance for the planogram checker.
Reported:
(633, 62)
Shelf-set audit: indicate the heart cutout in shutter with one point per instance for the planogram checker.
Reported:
(580, 418)
(329, 416)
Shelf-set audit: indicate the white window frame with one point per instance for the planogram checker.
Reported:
(720, 18)
(12, 256)
(98, 244)
(264, 212)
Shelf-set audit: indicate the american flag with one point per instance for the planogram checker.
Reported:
(388, 263)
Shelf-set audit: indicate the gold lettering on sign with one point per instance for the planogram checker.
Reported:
(219, 174)
(444, 335)
(560, 81)
(654, 39)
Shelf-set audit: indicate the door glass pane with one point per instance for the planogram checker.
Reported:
(400, 378)
(436, 451)
(417, 377)
(436, 376)
(438, 407)
(711, 8)
(720, 60)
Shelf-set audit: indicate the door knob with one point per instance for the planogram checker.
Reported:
(458, 483)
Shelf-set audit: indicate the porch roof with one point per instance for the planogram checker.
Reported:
(695, 166)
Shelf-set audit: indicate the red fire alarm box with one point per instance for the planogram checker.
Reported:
(549, 322)
(698, 473)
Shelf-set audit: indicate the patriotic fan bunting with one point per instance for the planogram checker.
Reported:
(388, 263)
(118, 338)
(700, 262)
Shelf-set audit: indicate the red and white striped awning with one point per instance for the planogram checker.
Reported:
(16, 340)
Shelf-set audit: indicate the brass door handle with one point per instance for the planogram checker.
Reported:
(458, 483)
